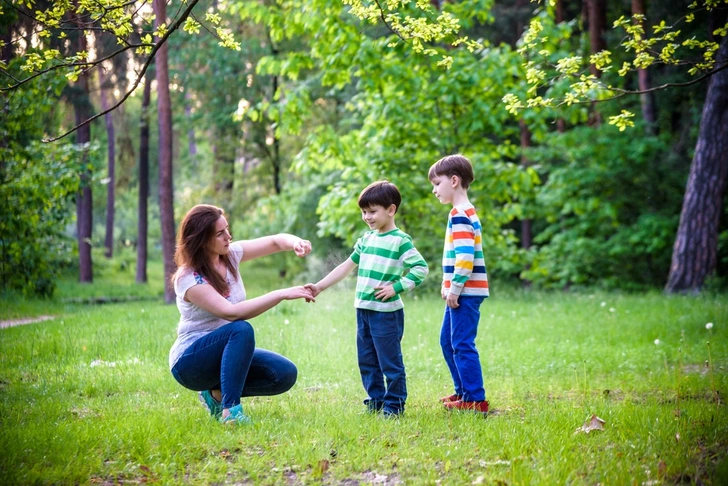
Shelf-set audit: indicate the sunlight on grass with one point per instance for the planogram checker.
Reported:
(87, 397)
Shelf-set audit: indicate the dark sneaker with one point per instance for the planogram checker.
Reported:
(452, 398)
(480, 407)
(391, 414)
(209, 402)
(236, 417)
(374, 406)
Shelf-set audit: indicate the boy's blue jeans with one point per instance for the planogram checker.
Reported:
(378, 344)
(227, 359)
(457, 339)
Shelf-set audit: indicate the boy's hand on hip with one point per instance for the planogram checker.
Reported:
(384, 293)
(452, 301)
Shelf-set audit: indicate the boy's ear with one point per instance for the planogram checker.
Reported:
(455, 180)
(392, 209)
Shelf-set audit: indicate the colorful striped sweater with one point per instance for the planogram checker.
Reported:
(463, 266)
(387, 258)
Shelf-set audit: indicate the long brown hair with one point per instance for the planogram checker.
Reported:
(195, 233)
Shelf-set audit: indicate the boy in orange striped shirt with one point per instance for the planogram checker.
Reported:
(464, 283)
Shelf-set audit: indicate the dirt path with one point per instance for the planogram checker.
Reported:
(28, 320)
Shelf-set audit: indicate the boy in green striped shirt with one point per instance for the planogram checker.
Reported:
(389, 264)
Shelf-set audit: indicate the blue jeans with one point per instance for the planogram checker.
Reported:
(457, 339)
(378, 345)
(227, 359)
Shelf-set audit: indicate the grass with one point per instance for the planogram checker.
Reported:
(88, 398)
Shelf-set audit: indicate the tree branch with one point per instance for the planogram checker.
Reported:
(626, 92)
(175, 25)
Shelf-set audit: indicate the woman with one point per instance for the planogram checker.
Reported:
(215, 349)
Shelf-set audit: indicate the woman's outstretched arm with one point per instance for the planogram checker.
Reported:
(267, 245)
(206, 297)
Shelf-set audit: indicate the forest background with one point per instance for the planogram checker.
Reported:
(281, 112)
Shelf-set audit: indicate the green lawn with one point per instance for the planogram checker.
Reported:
(87, 397)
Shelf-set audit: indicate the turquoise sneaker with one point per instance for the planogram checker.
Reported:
(236, 417)
(209, 402)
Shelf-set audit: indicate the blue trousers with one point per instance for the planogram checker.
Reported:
(457, 340)
(378, 344)
(227, 359)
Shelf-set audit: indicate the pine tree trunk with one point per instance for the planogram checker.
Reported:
(647, 100)
(695, 253)
(143, 218)
(111, 168)
(166, 190)
(84, 202)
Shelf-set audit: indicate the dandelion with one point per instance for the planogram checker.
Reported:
(286, 321)
(604, 304)
(657, 342)
(612, 309)
(709, 363)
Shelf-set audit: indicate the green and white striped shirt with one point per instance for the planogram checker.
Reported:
(383, 259)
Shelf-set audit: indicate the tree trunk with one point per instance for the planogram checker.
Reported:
(111, 185)
(223, 169)
(647, 100)
(597, 22)
(560, 122)
(597, 10)
(143, 218)
(84, 202)
(7, 52)
(166, 190)
(526, 224)
(191, 132)
(695, 253)
(276, 144)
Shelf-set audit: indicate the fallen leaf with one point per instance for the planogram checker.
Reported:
(593, 423)
(661, 470)
(321, 468)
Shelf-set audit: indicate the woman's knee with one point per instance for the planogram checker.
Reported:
(242, 330)
(288, 375)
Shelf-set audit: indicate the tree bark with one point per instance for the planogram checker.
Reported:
(223, 170)
(526, 224)
(191, 140)
(597, 21)
(111, 168)
(597, 26)
(166, 189)
(695, 253)
(84, 202)
(143, 218)
(647, 100)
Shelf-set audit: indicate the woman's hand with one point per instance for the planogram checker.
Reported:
(300, 247)
(312, 287)
(298, 292)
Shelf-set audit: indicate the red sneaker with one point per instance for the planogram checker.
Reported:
(480, 407)
(452, 398)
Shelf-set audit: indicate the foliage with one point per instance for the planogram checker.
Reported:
(51, 25)
(36, 184)
(555, 79)
(35, 190)
(395, 113)
(88, 396)
(607, 211)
